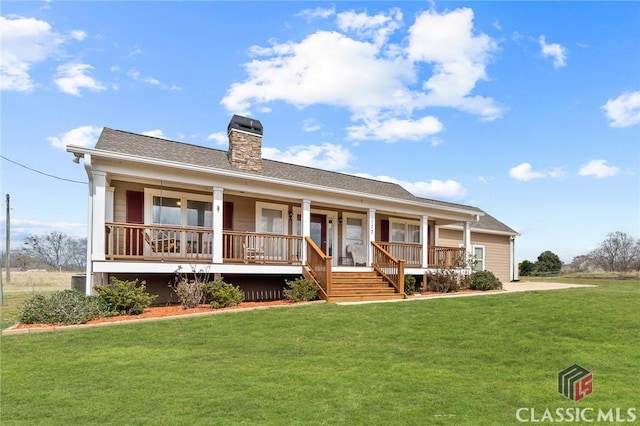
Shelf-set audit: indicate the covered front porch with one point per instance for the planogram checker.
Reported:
(139, 242)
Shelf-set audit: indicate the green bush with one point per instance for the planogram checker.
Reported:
(124, 297)
(300, 290)
(485, 280)
(221, 294)
(61, 307)
(409, 284)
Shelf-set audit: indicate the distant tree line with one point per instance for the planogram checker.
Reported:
(619, 252)
(54, 251)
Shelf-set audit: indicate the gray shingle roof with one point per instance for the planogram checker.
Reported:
(133, 144)
(163, 149)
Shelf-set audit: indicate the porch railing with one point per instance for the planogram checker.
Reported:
(410, 252)
(438, 256)
(389, 267)
(159, 242)
(446, 257)
(254, 247)
(318, 268)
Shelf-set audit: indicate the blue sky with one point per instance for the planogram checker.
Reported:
(528, 110)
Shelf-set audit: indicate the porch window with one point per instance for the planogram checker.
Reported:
(478, 253)
(179, 210)
(271, 218)
(405, 232)
(272, 221)
(166, 211)
(354, 231)
(199, 213)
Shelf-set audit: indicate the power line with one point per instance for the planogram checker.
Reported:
(42, 173)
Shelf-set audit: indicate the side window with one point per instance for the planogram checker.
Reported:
(478, 252)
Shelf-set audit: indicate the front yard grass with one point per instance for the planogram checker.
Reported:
(462, 361)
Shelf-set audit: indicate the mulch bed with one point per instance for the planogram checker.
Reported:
(165, 311)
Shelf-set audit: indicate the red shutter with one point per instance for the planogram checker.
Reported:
(384, 230)
(134, 238)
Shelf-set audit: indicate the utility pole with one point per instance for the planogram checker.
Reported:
(7, 246)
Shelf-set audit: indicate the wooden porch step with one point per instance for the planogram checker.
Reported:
(361, 286)
(365, 298)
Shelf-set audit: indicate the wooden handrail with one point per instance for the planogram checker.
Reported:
(389, 267)
(318, 267)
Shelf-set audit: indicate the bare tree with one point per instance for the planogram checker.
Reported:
(56, 249)
(618, 253)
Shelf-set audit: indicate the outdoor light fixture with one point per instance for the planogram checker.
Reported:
(340, 220)
(290, 214)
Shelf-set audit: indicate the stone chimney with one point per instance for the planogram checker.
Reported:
(245, 143)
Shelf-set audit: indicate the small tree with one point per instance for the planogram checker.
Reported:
(619, 252)
(56, 250)
(526, 268)
(548, 262)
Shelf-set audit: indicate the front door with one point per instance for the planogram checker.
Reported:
(319, 231)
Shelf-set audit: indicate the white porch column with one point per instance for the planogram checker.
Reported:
(371, 232)
(513, 267)
(424, 232)
(109, 193)
(306, 227)
(99, 214)
(467, 240)
(217, 224)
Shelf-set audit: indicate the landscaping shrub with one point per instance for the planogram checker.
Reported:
(61, 307)
(221, 294)
(300, 290)
(409, 284)
(444, 281)
(124, 297)
(485, 280)
(190, 292)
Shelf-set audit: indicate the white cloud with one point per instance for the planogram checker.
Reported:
(555, 51)
(220, 138)
(72, 77)
(436, 141)
(311, 125)
(377, 27)
(599, 169)
(25, 42)
(459, 59)
(136, 51)
(318, 12)
(623, 111)
(448, 189)
(85, 136)
(330, 156)
(136, 76)
(524, 172)
(394, 129)
(78, 35)
(375, 80)
(155, 134)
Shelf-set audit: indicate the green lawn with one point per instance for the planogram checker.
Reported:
(472, 360)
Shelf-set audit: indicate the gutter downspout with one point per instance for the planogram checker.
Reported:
(89, 274)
